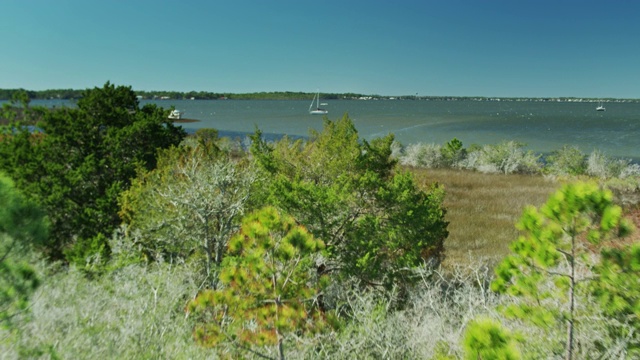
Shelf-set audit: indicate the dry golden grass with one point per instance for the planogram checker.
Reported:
(482, 210)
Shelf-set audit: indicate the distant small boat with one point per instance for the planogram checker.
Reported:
(175, 115)
(318, 110)
(600, 107)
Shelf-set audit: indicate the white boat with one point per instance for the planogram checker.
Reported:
(175, 115)
(318, 110)
(600, 107)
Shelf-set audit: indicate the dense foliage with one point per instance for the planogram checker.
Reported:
(375, 221)
(552, 266)
(269, 289)
(189, 206)
(85, 158)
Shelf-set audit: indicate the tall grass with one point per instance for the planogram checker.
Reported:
(482, 210)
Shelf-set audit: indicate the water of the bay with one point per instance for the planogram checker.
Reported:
(542, 126)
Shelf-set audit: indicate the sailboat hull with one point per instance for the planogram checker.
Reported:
(318, 112)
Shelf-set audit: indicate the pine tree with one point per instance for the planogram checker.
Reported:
(553, 262)
(269, 290)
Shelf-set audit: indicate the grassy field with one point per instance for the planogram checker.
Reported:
(482, 210)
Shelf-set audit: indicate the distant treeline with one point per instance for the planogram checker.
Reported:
(69, 94)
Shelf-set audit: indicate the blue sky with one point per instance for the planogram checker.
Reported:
(448, 47)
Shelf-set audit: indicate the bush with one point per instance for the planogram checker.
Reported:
(423, 155)
(133, 313)
(507, 158)
(433, 156)
(189, 206)
(486, 339)
(453, 153)
(567, 161)
(433, 325)
(603, 167)
(376, 222)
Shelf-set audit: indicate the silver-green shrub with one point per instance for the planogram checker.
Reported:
(438, 311)
(423, 155)
(508, 157)
(630, 171)
(135, 312)
(601, 166)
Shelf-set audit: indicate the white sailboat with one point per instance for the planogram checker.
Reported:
(318, 110)
(600, 107)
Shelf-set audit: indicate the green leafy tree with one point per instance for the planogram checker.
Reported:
(553, 263)
(85, 159)
(270, 291)
(190, 205)
(22, 226)
(375, 221)
(486, 339)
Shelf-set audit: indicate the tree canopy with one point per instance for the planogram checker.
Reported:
(84, 159)
(374, 220)
(190, 205)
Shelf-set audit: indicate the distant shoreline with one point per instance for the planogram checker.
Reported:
(164, 95)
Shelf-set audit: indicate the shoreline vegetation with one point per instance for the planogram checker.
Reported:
(71, 94)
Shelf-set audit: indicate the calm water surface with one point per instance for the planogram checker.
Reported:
(542, 126)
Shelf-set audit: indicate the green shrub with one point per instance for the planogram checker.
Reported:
(567, 161)
(486, 339)
(453, 153)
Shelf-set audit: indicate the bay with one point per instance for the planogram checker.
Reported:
(544, 126)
